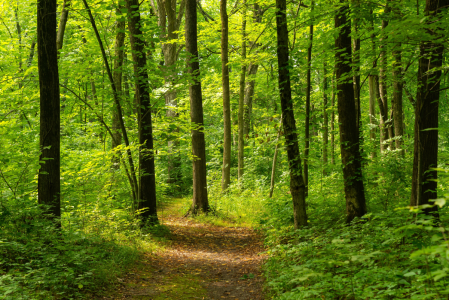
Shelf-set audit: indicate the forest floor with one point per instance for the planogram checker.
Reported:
(199, 260)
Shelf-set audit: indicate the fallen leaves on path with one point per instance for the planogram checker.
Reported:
(201, 261)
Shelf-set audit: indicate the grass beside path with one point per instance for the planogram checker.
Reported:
(198, 260)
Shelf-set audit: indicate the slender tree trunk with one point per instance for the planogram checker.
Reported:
(349, 135)
(424, 183)
(386, 123)
(356, 62)
(297, 187)
(325, 121)
(333, 120)
(226, 169)
(397, 98)
(118, 67)
(251, 74)
(307, 122)
(373, 95)
(62, 25)
(200, 200)
(147, 186)
(133, 183)
(49, 186)
(241, 163)
(275, 157)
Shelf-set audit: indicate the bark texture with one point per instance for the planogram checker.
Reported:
(226, 168)
(200, 200)
(147, 186)
(425, 157)
(349, 135)
(49, 185)
(297, 187)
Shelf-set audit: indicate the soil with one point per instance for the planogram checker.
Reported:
(199, 261)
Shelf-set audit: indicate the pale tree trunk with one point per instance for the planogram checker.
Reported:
(349, 135)
(373, 95)
(333, 120)
(325, 121)
(251, 74)
(226, 169)
(117, 74)
(147, 186)
(307, 121)
(297, 188)
(241, 163)
(424, 184)
(62, 25)
(49, 184)
(200, 200)
(169, 21)
(387, 129)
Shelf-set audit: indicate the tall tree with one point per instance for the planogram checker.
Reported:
(118, 76)
(325, 121)
(170, 14)
(49, 184)
(241, 125)
(297, 187)
(200, 200)
(307, 122)
(349, 135)
(147, 186)
(425, 157)
(226, 169)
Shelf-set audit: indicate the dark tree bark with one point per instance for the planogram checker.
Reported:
(349, 135)
(241, 163)
(325, 122)
(200, 200)
(49, 186)
(297, 187)
(307, 121)
(147, 186)
(118, 64)
(226, 169)
(424, 183)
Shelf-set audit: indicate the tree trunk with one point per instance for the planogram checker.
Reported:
(169, 21)
(385, 122)
(325, 121)
(241, 163)
(226, 169)
(118, 66)
(297, 187)
(62, 24)
(275, 157)
(349, 135)
(200, 201)
(333, 120)
(373, 95)
(307, 121)
(396, 102)
(356, 62)
(49, 186)
(147, 186)
(424, 183)
(251, 82)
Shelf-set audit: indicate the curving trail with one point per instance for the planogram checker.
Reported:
(200, 261)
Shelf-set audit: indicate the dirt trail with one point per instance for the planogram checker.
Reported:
(200, 261)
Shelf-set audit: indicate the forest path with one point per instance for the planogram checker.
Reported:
(199, 261)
